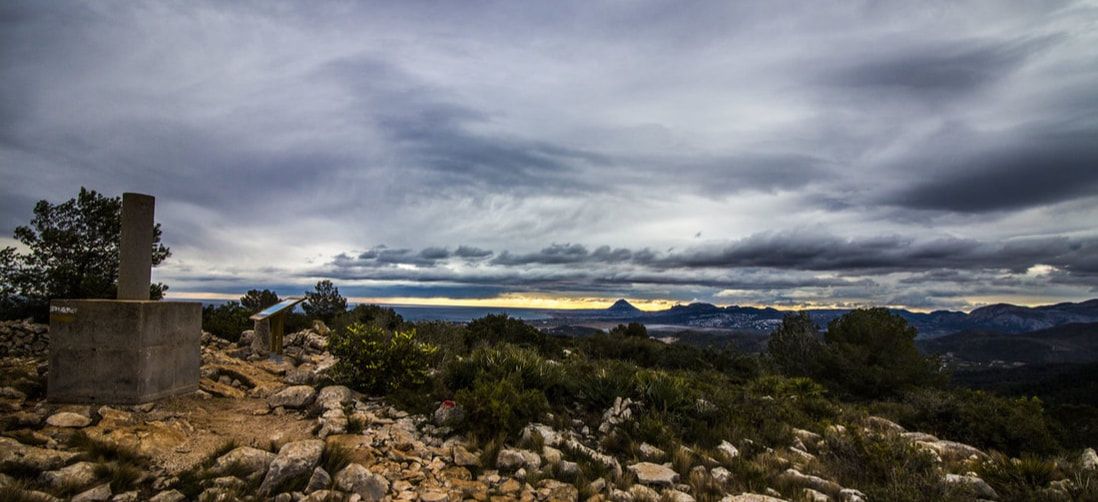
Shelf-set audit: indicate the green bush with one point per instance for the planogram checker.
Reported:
(871, 354)
(1022, 478)
(499, 407)
(503, 361)
(227, 320)
(1010, 425)
(796, 347)
(887, 468)
(634, 329)
(377, 361)
(495, 329)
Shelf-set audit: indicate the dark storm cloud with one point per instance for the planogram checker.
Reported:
(1038, 169)
(948, 68)
(934, 152)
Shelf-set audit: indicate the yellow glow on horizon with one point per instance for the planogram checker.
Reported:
(517, 301)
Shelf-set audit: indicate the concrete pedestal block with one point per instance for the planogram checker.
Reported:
(123, 351)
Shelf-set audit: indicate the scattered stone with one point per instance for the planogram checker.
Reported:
(556, 491)
(618, 413)
(568, 469)
(512, 459)
(78, 474)
(810, 495)
(952, 450)
(253, 460)
(597, 486)
(851, 495)
(100, 493)
(676, 496)
(294, 459)
(334, 397)
(297, 396)
(795, 477)
(654, 474)
(884, 425)
(11, 393)
(974, 483)
(463, 457)
(68, 419)
(168, 496)
(721, 475)
(130, 496)
(1089, 459)
(14, 453)
(320, 480)
(552, 455)
(650, 452)
(728, 450)
(356, 479)
(641, 493)
(751, 497)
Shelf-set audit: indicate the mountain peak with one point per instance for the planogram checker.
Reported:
(623, 306)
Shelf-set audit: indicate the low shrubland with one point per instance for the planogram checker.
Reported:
(505, 374)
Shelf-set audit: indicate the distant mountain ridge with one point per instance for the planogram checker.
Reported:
(1067, 343)
(998, 318)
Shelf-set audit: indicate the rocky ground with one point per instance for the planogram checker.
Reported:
(265, 429)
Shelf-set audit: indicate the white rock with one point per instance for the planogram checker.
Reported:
(721, 475)
(356, 479)
(974, 483)
(810, 495)
(751, 497)
(728, 450)
(68, 419)
(168, 496)
(1089, 459)
(294, 459)
(297, 396)
(654, 474)
(650, 452)
(334, 397)
(513, 458)
(676, 496)
(320, 480)
(78, 474)
(851, 495)
(253, 460)
(100, 493)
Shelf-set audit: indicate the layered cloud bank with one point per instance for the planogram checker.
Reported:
(923, 155)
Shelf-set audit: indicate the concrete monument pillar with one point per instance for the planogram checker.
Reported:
(129, 350)
(135, 248)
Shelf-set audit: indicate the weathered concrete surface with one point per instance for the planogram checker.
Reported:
(135, 246)
(117, 351)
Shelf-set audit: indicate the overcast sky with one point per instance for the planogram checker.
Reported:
(919, 154)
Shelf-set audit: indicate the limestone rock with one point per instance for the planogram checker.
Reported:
(810, 495)
(852, 495)
(100, 493)
(974, 483)
(641, 493)
(654, 474)
(952, 450)
(356, 479)
(552, 490)
(795, 477)
(294, 459)
(676, 496)
(721, 475)
(463, 457)
(448, 413)
(14, 453)
(297, 396)
(620, 412)
(78, 474)
(1089, 459)
(884, 425)
(68, 419)
(253, 460)
(334, 397)
(728, 450)
(168, 496)
(320, 480)
(650, 452)
(512, 459)
(751, 497)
